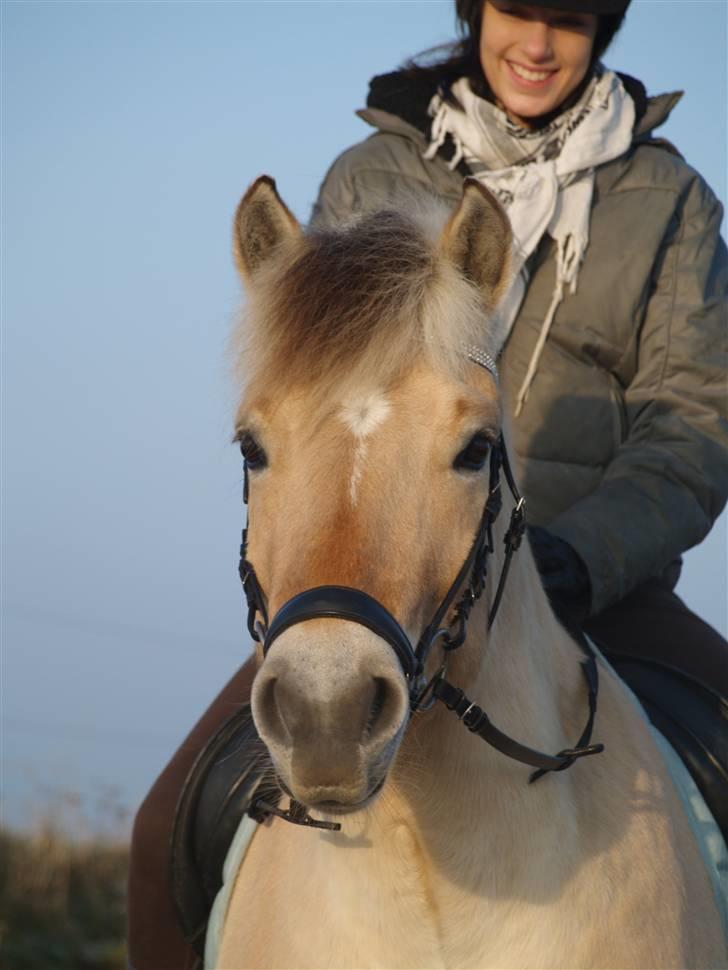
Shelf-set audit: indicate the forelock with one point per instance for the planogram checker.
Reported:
(358, 305)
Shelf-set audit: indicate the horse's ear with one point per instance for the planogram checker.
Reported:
(263, 223)
(477, 239)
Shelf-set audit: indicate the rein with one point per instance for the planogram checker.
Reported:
(343, 602)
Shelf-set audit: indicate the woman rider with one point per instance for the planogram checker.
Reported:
(612, 366)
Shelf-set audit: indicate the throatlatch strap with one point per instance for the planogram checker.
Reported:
(477, 721)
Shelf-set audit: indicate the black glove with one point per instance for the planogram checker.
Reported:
(563, 574)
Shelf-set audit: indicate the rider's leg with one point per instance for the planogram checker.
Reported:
(654, 623)
(155, 938)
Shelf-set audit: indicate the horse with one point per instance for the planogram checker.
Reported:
(375, 449)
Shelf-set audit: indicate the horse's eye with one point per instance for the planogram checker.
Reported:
(252, 452)
(472, 457)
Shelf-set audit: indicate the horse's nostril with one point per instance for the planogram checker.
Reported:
(377, 705)
(269, 710)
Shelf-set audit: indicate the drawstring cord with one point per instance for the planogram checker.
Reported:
(569, 255)
(538, 349)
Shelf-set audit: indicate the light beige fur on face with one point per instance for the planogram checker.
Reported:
(362, 416)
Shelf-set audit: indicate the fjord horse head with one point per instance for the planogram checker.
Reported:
(366, 431)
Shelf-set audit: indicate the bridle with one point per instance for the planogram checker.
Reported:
(355, 605)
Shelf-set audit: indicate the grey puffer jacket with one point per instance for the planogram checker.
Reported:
(623, 441)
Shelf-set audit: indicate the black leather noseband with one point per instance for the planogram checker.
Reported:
(346, 603)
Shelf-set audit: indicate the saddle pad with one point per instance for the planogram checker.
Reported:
(705, 829)
(233, 862)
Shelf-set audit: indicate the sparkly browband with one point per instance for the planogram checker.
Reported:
(481, 358)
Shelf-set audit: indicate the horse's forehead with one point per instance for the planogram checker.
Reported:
(363, 412)
(364, 409)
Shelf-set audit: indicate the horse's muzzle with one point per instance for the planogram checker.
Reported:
(331, 703)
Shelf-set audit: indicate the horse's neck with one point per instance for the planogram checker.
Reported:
(465, 794)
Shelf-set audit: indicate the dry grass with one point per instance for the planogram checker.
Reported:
(62, 900)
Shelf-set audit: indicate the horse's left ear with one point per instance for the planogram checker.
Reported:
(263, 222)
(477, 239)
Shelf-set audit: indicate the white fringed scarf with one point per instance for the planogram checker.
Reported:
(543, 178)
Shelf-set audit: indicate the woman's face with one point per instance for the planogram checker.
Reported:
(533, 57)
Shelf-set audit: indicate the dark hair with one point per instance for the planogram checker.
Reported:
(462, 58)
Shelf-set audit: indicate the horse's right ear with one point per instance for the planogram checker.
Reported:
(262, 224)
(477, 239)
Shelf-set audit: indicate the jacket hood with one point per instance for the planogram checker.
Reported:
(398, 102)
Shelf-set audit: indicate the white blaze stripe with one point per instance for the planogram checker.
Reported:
(362, 416)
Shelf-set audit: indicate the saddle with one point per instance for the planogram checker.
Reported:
(233, 774)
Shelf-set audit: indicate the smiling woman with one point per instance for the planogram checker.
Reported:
(534, 59)
(611, 350)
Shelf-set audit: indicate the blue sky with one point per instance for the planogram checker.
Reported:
(130, 130)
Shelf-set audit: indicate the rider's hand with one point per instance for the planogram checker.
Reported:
(563, 574)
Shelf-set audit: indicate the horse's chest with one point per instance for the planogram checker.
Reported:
(310, 900)
(350, 905)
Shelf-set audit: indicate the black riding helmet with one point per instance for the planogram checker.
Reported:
(598, 7)
(611, 13)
